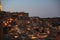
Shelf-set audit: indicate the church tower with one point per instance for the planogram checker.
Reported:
(0, 6)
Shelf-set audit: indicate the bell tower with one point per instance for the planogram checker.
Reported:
(0, 6)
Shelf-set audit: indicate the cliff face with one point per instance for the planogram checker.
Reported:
(18, 25)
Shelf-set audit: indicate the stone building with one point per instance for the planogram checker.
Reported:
(0, 6)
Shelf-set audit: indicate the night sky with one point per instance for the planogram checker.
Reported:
(41, 8)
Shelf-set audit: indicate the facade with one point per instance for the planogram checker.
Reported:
(0, 6)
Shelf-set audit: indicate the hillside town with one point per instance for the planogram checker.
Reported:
(19, 26)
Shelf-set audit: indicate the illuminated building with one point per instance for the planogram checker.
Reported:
(0, 6)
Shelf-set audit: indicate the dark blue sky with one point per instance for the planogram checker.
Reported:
(41, 8)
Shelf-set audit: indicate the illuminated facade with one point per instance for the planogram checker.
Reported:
(0, 6)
